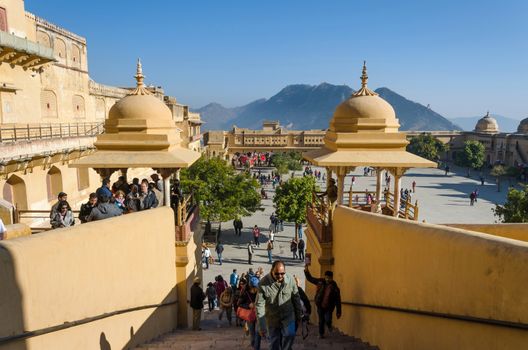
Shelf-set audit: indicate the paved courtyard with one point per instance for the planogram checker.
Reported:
(441, 199)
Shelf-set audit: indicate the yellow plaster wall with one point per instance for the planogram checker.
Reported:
(16, 21)
(390, 262)
(88, 270)
(513, 231)
(16, 230)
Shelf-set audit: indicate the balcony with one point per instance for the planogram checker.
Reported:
(21, 52)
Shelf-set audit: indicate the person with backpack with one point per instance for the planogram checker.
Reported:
(327, 298)
(226, 304)
(211, 296)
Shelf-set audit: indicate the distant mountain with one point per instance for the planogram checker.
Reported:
(505, 124)
(414, 116)
(305, 107)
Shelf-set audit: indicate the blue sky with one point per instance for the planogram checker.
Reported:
(461, 57)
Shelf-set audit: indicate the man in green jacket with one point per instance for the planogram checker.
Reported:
(278, 307)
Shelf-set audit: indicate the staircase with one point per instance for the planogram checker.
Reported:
(217, 334)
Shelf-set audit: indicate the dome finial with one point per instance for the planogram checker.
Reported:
(140, 87)
(364, 91)
(487, 113)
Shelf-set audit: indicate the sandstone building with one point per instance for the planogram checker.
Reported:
(51, 111)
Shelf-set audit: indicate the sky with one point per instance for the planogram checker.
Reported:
(461, 57)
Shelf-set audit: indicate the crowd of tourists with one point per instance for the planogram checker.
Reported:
(269, 306)
(250, 159)
(113, 200)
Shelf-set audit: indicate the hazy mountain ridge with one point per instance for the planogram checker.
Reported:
(303, 107)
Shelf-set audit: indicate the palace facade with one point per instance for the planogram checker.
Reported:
(51, 111)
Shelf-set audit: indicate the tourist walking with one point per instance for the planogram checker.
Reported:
(247, 311)
(233, 279)
(210, 291)
(269, 249)
(206, 256)
(278, 307)
(197, 298)
(219, 250)
(226, 304)
(293, 248)
(256, 235)
(327, 298)
(300, 248)
(472, 197)
(414, 186)
(250, 253)
(238, 225)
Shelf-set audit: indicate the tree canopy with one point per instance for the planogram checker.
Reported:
(498, 171)
(427, 146)
(222, 194)
(292, 198)
(472, 156)
(285, 162)
(516, 207)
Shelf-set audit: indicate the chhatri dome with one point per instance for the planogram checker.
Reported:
(487, 124)
(523, 126)
(364, 111)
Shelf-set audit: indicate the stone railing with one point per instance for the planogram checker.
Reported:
(186, 217)
(106, 90)
(55, 28)
(319, 217)
(31, 132)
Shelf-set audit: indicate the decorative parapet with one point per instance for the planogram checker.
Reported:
(41, 22)
(106, 90)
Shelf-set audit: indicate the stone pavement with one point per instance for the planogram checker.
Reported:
(235, 248)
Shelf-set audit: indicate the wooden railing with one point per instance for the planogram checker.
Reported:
(31, 132)
(186, 217)
(319, 217)
(406, 210)
(38, 216)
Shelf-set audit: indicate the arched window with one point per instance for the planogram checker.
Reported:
(76, 56)
(100, 108)
(43, 38)
(60, 50)
(48, 104)
(78, 106)
(53, 183)
(14, 191)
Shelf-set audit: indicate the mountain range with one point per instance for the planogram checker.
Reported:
(505, 124)
(304, 107)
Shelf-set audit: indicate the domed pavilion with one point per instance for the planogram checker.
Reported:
(487, 125)
(139, 133)
(364, 132)
(523, 126)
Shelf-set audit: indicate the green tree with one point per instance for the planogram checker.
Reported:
(285, 162)
(292, 198)
(427, 146)
(516, 207)
(498, 171)
(222, 194)
(472, 156)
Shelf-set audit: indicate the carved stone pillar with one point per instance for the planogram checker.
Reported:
(105, 173)
(341, 173)
(165, 175)
(398, 173)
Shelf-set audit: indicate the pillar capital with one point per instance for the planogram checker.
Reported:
(165, 172)
(105, 172)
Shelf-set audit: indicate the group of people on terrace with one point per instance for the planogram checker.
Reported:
(251, 159)
(113, 200)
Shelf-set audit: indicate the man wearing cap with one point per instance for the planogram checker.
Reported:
(278, 307)
(327, 298)
(61, 197)
(197, 298)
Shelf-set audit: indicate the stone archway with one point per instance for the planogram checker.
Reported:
(53, 182)
(14, 191)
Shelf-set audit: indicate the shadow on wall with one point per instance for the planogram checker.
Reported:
(103, 343)
(10, 304)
